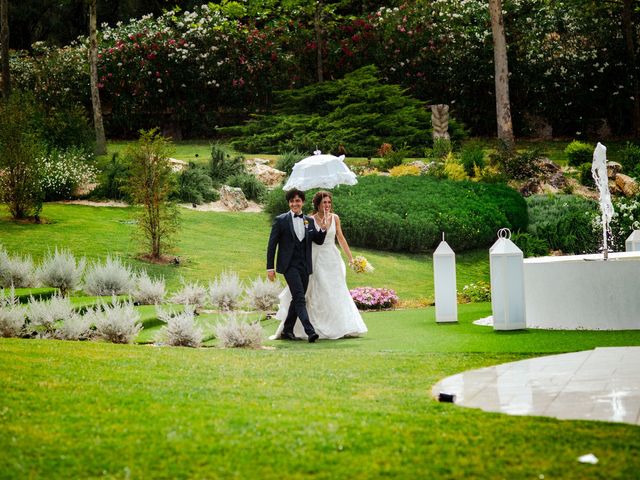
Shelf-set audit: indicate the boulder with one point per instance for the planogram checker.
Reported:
(233, 198)
(270, 176)
(423, 167)
(613, 168)
(256, 161)
(177, 165)
(627, 184)
(548, 168)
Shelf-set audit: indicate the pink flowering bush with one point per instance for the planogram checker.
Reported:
(368, 298)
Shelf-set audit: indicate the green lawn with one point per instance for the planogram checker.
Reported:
(357, 408)
(211, 242)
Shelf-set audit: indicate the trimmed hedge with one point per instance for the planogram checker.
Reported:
(410, 213)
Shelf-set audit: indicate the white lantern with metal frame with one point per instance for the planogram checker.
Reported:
(632, 243)
(444, 279)
(507, 283)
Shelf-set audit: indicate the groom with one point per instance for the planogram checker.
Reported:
(292, 234)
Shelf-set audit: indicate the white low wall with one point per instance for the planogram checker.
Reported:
(583, 292)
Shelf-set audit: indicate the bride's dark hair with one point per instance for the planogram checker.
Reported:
(318, 197)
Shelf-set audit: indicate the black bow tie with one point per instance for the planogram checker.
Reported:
(297, 215)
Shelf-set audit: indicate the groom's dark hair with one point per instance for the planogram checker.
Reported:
(293, 193)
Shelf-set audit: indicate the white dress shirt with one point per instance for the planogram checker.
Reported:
(298, 226)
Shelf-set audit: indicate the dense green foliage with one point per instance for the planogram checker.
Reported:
(578, 153)
(205, 65)
(564, 222)
(518, 165)
(222, 165)
(630, 159)
(195, 185)
(357, 112)
(287, 160)
(410, 213)
(20, 149)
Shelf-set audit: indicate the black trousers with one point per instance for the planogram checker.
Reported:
(298, 280)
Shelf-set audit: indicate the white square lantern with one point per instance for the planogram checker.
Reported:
(632, 243)
(507, 283)
(444, 279)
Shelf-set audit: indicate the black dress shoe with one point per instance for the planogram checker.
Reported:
(313, 337)
(288, 336)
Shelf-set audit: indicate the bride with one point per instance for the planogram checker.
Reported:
(331, 308)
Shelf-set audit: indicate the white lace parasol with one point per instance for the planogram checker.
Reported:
(320, 171)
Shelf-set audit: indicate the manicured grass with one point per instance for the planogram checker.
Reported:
(210, 242)
(357, 408)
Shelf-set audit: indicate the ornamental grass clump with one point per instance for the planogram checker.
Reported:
(12, 314)
(190, 294)
(109, 278)
(16, 270)
(180, 329)
(61, 270)
(118, 322)
(225, 291)
(370, 298)
(148, 291)
(238, 332)
(262, 294)
(44, 316)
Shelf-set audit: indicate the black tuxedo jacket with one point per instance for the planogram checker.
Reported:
(283, 238)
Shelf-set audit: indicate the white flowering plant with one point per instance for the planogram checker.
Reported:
(63, 172)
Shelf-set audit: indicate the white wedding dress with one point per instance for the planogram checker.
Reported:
(331, 309)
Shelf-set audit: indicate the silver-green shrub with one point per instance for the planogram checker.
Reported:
(61, 270)
(225, 291)
(190, 294)
(109, 278)
(116, 323)
(180, 329)
(45, 315)
(75, 327)
(16, 270)
(237, 332)
(148, 291)
(12, 314)
(262, 294)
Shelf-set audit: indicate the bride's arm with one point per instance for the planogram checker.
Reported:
(341, 240)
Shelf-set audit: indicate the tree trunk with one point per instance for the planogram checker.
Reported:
(627, 31)
(4, 53)
(101, 143)
(503, 105)
(317, 17)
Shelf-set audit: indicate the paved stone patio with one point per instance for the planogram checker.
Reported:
(600, 384)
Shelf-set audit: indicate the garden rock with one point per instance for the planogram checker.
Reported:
(423, 167)
(177, 165)
(270, 176)
(257, 161)
(627, 184)
(613, 168)
(233, 198)
(548, 168)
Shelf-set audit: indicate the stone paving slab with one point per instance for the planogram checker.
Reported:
(601, 384)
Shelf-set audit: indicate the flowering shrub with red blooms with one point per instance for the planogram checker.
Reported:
(371, 298)
(182, 69)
